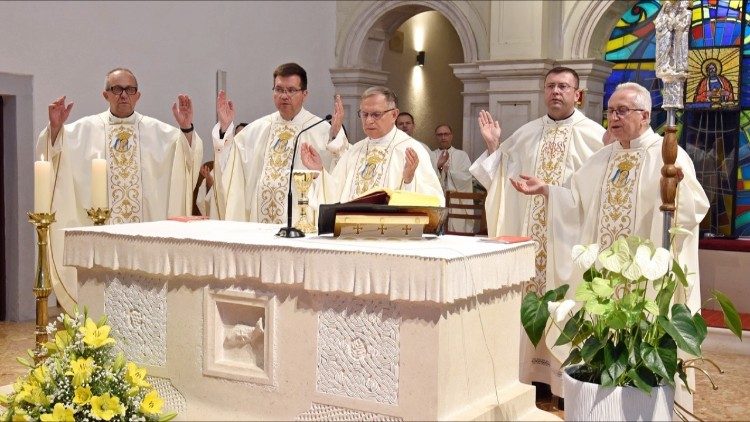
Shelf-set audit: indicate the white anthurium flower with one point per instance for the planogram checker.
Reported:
(613, 260)
(632, 271)
(677, 231)
(654, 267)
(562, 311)
(585, 255)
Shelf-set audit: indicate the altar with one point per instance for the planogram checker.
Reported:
(234, 323)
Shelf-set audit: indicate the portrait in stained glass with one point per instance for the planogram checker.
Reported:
(716, 23)
(713, 79)
(742, 221)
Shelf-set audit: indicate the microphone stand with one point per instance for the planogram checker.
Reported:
(290, 231)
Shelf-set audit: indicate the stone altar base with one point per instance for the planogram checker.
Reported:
(240, 349)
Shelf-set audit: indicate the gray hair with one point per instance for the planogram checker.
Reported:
(642, 95)
(390, 96)
(118, 69)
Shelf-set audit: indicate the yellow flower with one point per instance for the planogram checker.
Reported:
(20, 416)
(106, 407)
(41, 375)
(59, 413)
(94, 336)
(33, 394)
(82, 395)
(152, 403)
(81, 369)
(136, 376)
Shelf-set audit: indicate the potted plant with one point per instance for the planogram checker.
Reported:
(623, 330)
(82, 379)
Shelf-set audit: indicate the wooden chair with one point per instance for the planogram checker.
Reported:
(460, 209)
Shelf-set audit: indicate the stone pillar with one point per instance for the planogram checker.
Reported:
(350, 83)
(475, 98)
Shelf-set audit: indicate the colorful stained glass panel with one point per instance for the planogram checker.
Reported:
(713, 79)
(742, 221)
(634, 35)
(745, 91)
(716, 23)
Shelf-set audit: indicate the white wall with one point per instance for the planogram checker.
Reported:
(173, 47)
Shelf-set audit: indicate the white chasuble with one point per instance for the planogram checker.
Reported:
(251, 170)
(377, 163)
(616, 193)
(552, 151)
(151, 171)
(455, 176)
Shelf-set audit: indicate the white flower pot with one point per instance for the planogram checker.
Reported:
(585, 401)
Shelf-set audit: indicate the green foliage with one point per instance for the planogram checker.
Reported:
(625, 325)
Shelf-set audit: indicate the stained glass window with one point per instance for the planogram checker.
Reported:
(742, 221)
(715, 23)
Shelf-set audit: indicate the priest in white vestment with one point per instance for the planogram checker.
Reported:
(616, 193)
(405, 122)
(552, 148)
(151, 166)
(387, 158)
(251, 179)
(452, 167)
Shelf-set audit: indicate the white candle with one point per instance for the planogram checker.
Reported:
(42, 186)
(99, 183)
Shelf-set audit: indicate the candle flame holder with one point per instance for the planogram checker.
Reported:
(43, 284)
(98, 215)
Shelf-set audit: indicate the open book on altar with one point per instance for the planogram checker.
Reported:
(384, 213)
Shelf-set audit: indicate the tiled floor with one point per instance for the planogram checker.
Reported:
(729, 402)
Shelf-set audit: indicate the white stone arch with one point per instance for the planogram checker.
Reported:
(361, 42)
(588, 26)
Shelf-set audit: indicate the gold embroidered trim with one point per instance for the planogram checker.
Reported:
(274, 179)
(618, 204)
(125, 187)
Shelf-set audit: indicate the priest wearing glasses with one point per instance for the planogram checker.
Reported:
(387, 158)
(151, 166)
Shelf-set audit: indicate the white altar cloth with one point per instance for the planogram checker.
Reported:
(448, 268)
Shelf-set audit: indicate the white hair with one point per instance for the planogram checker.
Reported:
(642, 95)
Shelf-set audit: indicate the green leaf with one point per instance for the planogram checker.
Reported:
(570, 329)
(617, 319)
(700, 327)
(602, 288)
(584, 292)
(583, 333)
(651, 307)
(639, 382)
(731, 316)
(591, 274)
(664, 297)
(102, 320)
(24, 362)
(597, 308)
(534, 316)
(661, 360)
(591, 346)
(685, 332)
(573, 358)
(167, 416)
(560, 292)
(679, 273)
(614, 370)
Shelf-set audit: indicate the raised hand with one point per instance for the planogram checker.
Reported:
(183, 111)
(529, 185)
(338, 116)
(410, 164)
(310, 157)
(206, 173)
(58, 114)
(490, 130)
(225, 110)
(443, 160)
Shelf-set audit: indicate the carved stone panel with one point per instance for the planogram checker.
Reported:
(358, 349)
(137, 309)
(174, 401)
(238, 335)
(324, 412)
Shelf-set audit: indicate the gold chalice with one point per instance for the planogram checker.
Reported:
(302, 181)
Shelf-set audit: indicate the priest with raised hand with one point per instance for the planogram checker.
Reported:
(387, 158)
(251, 170)
(552, 148)
(151, 166)
(616, 194)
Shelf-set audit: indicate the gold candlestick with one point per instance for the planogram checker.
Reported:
(98, 215)
(42, 286)
(303, 180)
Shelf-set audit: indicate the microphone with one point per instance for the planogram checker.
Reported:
(290, 231)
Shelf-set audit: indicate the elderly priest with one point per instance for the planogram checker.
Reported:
(387, 158)
(151, 167)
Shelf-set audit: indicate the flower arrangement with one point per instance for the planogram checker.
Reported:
(82, 379)
(628, 326)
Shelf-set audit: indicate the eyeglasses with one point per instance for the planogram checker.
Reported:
(291, 92)
(443, 134)
(117, 89)
(562, 87)
(621, 111)
(375, 116)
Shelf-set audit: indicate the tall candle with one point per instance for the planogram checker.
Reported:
(99, 183)
(42, 185)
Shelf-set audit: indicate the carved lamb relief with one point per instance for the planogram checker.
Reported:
(238, 335)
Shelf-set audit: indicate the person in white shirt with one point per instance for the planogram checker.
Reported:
(452, 167)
